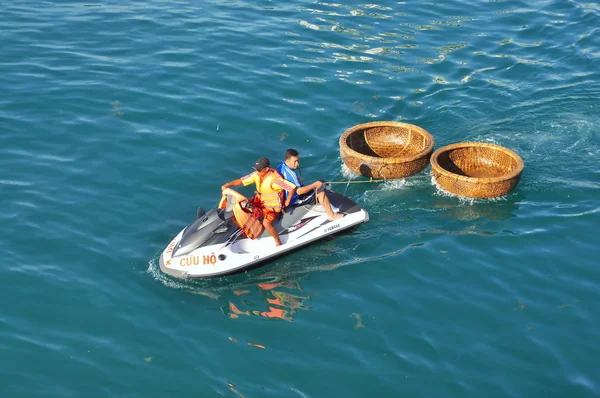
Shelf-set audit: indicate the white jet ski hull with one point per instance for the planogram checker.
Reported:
(228, 251)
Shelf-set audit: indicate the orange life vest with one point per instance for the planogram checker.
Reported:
(249, 221)
(270, 189)
(269, 197)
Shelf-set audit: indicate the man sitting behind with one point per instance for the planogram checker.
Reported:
(268, 184)
(304, 193)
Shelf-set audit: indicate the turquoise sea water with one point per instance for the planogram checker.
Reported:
(119, 119)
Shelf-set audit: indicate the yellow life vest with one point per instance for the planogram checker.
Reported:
(269, 193)
(270, 189)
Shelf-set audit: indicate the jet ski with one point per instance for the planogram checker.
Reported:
(215, 244)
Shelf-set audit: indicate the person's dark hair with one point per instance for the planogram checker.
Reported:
(290, 153)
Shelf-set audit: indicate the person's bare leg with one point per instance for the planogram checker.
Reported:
(324, 200)
(269, 227)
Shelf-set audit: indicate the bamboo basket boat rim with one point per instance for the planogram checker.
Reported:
(379, 160)
(480, 180)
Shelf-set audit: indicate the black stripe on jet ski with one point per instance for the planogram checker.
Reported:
(234, 236)
(300, 224)
(318, 226)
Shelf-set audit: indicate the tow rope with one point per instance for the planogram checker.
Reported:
(372, 180)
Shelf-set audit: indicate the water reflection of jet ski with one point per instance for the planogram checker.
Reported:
(215, 244)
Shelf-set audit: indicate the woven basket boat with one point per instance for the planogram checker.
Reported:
(476, 170)
(386, 149)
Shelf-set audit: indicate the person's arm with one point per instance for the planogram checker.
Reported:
(290, 194)
(288, 186)
(234, 183)
(307, 188)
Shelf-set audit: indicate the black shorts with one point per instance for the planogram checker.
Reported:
(308, 198)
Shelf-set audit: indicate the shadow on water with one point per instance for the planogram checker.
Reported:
(272, 291)
(279, 300)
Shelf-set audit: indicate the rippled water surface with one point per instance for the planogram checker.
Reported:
(119, 119)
